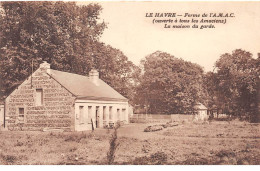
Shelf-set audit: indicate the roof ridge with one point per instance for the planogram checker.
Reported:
(70, 73)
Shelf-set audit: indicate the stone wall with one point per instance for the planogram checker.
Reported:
(56, 111)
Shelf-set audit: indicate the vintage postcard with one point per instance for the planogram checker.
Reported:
(129, 83)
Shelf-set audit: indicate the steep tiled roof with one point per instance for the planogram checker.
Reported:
(83, 88)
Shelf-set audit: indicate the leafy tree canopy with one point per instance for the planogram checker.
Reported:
(63, 34)
(169, 84)
(237, 76)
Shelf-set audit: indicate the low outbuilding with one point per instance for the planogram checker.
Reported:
(200, 112)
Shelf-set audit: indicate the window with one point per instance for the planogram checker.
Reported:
(39, 97)
(110, 112)
(81, 114)
(124, 114)
(118, 114)
(97, 116)
(90, 113)
(21, 114)
(104, 113)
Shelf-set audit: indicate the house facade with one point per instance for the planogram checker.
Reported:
(51, 99)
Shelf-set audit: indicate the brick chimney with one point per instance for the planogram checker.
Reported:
(94, 76)
(45, 65)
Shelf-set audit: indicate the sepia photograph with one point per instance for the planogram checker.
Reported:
(129, 83)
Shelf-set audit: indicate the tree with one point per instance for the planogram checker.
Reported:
(210, 82)
(116, 69)
(169, 84)
(63, 34)
(56, 32)
(237, 75)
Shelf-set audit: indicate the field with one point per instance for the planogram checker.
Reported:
(216, 142)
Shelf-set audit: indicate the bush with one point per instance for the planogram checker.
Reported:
(153, 128)
(160, 127)
(8, 159)
(75, 137)
(157, 158)
(170, 124)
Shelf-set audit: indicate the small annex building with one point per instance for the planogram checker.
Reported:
(200, 112)
(51, 99)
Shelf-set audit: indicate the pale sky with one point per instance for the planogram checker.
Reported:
(135, 35)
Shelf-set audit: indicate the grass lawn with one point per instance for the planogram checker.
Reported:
(218, 142)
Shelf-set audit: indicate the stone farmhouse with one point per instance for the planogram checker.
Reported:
(51, 99)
